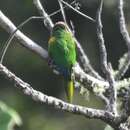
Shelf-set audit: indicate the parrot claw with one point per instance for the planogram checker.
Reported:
(52, 65)
(50, 61)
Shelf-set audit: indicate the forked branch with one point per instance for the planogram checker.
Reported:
(105, 67)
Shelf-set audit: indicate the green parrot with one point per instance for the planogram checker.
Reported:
(62, 52)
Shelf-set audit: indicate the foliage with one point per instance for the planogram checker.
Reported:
(8, 117)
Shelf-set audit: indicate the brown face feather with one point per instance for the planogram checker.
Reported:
(60, 25)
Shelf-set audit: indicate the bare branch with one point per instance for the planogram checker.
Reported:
(123, 29)
(126, 37)
(85, 62)
(12, 35)
(106, 69)
(103, 53)
(59, 104)
(62, 11)
(48, 22)
(24, 40)
(77, 11)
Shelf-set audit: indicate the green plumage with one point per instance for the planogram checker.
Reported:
(62, 51)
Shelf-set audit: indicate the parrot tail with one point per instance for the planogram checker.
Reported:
(70, 91)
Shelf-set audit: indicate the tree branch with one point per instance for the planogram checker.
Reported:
(6, 24)
(105, 68)
(77, 11)
(85, 62)
(58, 104)
(62, 11)
(126, 38)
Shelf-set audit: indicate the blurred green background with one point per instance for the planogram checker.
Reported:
(35, 71)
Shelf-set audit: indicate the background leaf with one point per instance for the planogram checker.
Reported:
(8, 117)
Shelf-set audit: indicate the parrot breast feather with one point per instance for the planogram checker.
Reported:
(62, 51)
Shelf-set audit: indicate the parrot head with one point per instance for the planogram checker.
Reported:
(60, 26)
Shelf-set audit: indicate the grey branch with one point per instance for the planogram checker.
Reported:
(91, 113)
(6, 24)
(106, 69)
(77, 11)
(123, 29)
(62, 11)
(59, 104)
(48, 22)
(126, 37)
(85, 62)
(103, 53)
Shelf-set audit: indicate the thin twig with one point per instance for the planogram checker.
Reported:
(126, 38)
(106, 69)
(12, 35)
(103, 53)
(62, 11)
(48, 22)
(77, 11)
(123, 29)
(125, 60)
(85, 62)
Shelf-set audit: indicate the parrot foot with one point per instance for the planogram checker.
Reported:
(52, 65)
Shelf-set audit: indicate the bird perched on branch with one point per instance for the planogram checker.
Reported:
(62, 52)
